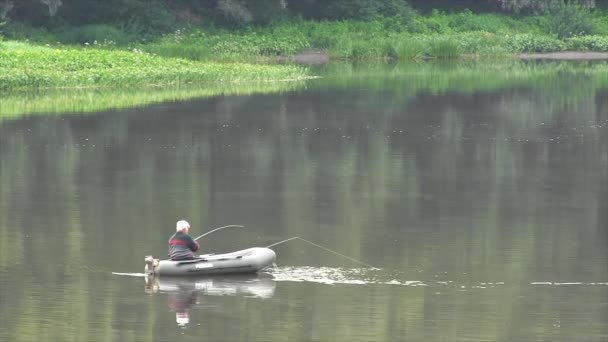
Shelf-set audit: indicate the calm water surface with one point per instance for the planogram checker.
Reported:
(482, 205)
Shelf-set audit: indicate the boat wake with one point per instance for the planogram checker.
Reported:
(373, 276)
(338, 275)
(129, 274)
(376, 276)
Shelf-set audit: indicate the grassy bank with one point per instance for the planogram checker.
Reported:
(209, 55)
(402, 81)
(440, 35)
(437, 35)
(28, 66)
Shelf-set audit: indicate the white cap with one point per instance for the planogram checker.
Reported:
(182, 318)
(181, 225)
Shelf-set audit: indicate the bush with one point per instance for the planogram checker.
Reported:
(17, 31)
(328, 35)
(570, 20)
(148, 19)
(94, 33)
(600, 23)
(444, 48)
(480, 43)
(435, 23)
(371, 49)
(466, 21)
(588, 43)
(534, 43)
(409, 48)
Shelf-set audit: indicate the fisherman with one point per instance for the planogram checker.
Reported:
(181, 245)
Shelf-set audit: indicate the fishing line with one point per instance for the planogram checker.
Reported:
(324, 248)
(216, 229)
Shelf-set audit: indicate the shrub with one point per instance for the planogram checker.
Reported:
(17, 31)
(409, 48)
(480, 43)
(600, 23)
(148, 19)
(590, 43)
(534, 43)
(466, 21)
(333, 36)
(435, 23)
(444, 48)
(571, 19)
(371, 49)
(94, 33)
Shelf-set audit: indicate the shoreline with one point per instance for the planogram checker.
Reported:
(567, 55)
(318, 56)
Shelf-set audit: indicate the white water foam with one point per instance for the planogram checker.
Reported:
(130, 274)
(337, 275)
(367, 276)
(550, 283)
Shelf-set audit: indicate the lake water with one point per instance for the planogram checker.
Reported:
(478, 193)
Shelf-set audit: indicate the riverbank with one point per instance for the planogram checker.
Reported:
(203, 55)
(27, 66)
(567, 55)
(440, 36)
(318, 57)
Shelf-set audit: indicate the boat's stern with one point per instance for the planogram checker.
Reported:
(264, 257)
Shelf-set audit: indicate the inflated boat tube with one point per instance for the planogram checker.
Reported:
(249, 260)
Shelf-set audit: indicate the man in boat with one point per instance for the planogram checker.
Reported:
(181, 245)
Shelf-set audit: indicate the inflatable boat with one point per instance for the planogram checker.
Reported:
(249, 260)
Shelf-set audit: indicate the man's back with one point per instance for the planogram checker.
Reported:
(182, 246)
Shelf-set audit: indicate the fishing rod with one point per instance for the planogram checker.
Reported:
(216, 229)
(323, 248)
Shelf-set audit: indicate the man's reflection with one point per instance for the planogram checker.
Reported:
(181, 301)
(183, 293)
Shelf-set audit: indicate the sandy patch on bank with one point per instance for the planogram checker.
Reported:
(566, 55)
(315, 56)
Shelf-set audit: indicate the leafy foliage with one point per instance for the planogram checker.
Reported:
(535, 43)
(571, 19)
(90, 34)
(542, 6)
(588, 43)
(42, 67)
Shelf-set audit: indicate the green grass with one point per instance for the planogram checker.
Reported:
(196, 55)
(440, 35)
(436, 77)
(26, 66)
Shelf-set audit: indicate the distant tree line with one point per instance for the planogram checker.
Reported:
(157, 15)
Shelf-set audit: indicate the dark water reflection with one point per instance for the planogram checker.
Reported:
(483, 207)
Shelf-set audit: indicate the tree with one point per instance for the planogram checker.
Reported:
(53, 6)
(349, 9)
(241, 12)
(540, 6)
(5, 7)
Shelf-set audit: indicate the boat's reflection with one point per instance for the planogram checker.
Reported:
(183, 292)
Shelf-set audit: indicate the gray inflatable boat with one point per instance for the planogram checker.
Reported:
(249, 260)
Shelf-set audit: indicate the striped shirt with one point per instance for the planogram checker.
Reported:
(182, 246)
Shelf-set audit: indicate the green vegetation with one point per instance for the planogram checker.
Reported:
(89, 178)
(16, 103)
(439, 35)
(380, 78)
(104, 51)
(25, 66)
